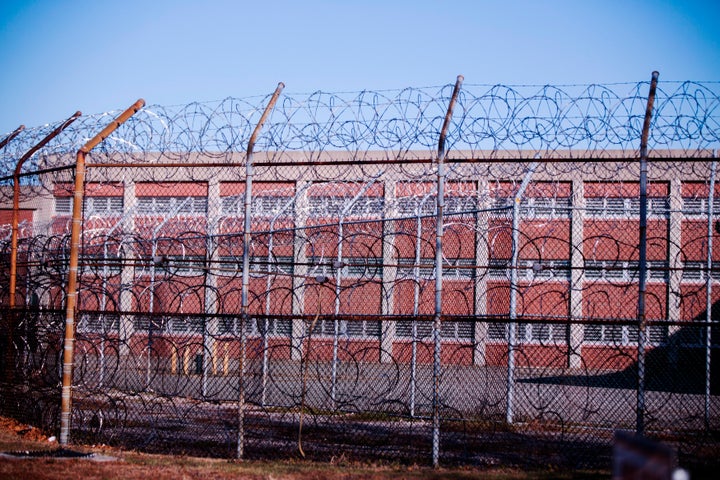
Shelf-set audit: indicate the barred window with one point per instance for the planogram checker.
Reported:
(422, 330)
(625, 206)
(413, 329)
(457, 205)
(185, 325)
(530, 332)
(172, 205)
(698, 271)
(256, 327)
(408, 268)
(543, 270)
(453, 268)
(698, 207)
(427, 206)
(351, 267)
(414, 206)
(624, 334)
(146, 323)
(530, 269)
(348, 328)
(624, 271)
(94, 206)
(497, 331)
(99, 264)
(63, 205)
(261, 206)
(335, 207)
(259, 265)
(537, 207)
(101, 322)
(169, 325)
(499, 268)
(184, 265)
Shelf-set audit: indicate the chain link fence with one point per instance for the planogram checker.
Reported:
(330, 302)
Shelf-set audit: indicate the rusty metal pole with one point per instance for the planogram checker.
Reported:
(71, 294)
(9, 359)
(12, 135)
(246, 265)
(439, 228)
(642, 243)
(16, 202)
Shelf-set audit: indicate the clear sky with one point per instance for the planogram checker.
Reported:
(95, 56)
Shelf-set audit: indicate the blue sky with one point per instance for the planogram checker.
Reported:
(95, 56)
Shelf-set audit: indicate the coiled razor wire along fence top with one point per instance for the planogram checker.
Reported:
(469, 273)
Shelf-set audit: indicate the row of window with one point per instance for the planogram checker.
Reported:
(534, 332)
(559, 333)
(109, 323)
(335, 207)
(372, 267)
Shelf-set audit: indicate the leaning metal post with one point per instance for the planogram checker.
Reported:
(642, 274)
(708, 290)
(517, 200)
(246, 265)
(439, 227)
(16, 201)
(71, 302)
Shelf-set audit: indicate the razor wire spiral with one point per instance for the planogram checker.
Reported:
(171, 273)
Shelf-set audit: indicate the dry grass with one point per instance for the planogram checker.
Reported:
(135, 466)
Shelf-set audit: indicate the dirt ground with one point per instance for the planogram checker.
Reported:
(27, 453)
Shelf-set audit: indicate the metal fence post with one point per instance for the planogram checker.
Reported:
(708, 291)
(642, 274)
(439, 227)
(246, 266)
(517, 201)
(72, 290)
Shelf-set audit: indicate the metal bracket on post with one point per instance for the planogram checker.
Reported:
(72, 290)
(642, 243)
(246, 264)
(439, 227)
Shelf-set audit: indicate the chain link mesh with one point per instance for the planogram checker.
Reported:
(335, 355)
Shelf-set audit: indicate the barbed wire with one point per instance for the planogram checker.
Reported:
(589, 120)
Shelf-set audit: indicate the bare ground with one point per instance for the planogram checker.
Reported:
(34, 455)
